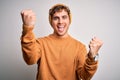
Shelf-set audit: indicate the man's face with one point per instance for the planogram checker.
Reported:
(60, 23)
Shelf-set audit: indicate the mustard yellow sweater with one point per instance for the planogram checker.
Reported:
(57, 58)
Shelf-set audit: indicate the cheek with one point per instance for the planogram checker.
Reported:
(67, 21)
(53, 24)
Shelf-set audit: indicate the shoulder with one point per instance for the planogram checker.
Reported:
(80, 48)
(41, 39)
(77, 41)
(45, 39)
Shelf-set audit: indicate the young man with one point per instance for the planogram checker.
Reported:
(59, 56)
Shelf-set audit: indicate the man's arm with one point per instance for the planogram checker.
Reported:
(30, 46)
(89, 63)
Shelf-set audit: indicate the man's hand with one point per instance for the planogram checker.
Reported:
(94, 46)
(28, 17)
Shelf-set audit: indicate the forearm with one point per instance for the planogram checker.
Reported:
(29, 46)
(88, 69)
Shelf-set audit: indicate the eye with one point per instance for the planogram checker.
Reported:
(64, 17)
(55, 18)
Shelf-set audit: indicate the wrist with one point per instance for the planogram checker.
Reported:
(27, 29)
(93, 57)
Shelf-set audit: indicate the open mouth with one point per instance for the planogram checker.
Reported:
(60, 28)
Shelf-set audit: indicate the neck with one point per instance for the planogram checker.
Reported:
(61, 36)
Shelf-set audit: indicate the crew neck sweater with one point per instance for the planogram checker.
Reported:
(57, 58)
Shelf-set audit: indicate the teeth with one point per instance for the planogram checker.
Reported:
(60, 26)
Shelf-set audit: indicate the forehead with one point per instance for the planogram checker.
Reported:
(60, 13)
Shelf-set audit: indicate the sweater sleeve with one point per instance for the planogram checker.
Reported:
(30, 46)
(86, 67)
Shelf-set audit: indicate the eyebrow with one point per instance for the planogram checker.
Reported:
(58, 16)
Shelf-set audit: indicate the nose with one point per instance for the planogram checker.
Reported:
(60, 20)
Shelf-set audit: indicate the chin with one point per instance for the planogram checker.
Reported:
(62, 34)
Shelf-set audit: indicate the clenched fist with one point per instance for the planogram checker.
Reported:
(95, 45)
(28, 17)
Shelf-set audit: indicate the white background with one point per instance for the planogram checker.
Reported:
(90, 18)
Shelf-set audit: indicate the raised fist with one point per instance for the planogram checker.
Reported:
(95, 45)
(28, 17)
